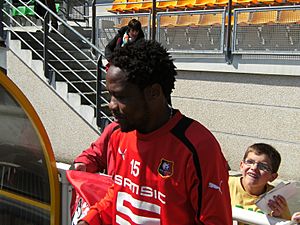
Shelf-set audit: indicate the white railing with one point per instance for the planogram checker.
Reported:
(238, 215)
(250, 217)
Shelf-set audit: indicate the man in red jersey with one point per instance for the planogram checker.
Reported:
(169, 169)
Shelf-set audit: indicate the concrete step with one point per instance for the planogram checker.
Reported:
(38, 67)
(86, 86)
(75, 65)
(87, 112)
(85, 75)
(74, 99)
(63, 55)
(62, 89)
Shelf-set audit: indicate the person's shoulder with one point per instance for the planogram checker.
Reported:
(234, 180)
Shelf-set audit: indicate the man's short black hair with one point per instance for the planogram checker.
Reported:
(145, 63)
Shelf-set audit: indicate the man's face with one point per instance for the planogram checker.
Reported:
(133, 34)
(128, 104)
(257, 171)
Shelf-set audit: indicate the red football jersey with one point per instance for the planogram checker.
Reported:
(174, 175)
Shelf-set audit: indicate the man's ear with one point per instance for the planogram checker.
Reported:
(153, 92)
(273, 177)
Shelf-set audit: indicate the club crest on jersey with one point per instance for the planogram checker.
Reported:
(166, 168)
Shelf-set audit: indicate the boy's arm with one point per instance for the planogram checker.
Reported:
(94, 159)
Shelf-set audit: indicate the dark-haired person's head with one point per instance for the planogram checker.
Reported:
(140, 80)
(135, 29)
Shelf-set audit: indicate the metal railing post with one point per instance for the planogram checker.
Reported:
(98, 91)
(94, 24)
(228, 51)
(46, 43)
(153, 20)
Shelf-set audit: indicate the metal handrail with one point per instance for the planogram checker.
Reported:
(32, 49)
(67, 68)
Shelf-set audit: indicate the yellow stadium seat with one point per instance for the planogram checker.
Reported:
(211, 19)
(293, 1)
(117, 6)
(144, 21)
(133, 5)
(188, 20)
(146, 6)
(168, 21)
(268, 2)
(201, 4)
(218, 3)
(263, 17)
(289, 16)
(243, 18)
(166, 5)
(185, 4)
(244, 2)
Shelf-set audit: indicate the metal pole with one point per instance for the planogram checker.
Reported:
(94, 24)
(45, 48)
(98, 93)
(228, 53)
(153, 20)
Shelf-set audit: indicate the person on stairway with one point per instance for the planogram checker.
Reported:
(41, 12)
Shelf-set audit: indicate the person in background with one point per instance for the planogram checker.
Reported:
(131, 33)
(259, 167)
(41, 12)
(169, 169)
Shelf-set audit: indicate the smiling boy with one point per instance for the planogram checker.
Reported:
(259, 167)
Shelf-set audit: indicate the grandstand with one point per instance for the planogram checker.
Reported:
(240, 78)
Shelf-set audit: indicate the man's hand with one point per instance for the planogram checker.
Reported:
(80, 167)
(82, 223)
(296, 217)
(278, 206)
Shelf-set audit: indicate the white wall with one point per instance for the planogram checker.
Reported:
(242, 109)
(68, 133)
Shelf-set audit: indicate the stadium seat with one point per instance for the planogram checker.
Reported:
(201, 4)
(293, 1)
(243, 18)
(166, 5)
(188, 20)
(168, 21)
(20, 11)
(268, 2)
(185, 4)
(144, 21)
(133, 6)
(244, 2)
(211, 19)
(288, 16)
(146, 6)
(117, 6)
(218, 3)
(263, 17)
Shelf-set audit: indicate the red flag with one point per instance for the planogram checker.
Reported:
(89, 188)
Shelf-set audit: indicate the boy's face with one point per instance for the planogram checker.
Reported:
(257, 171)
